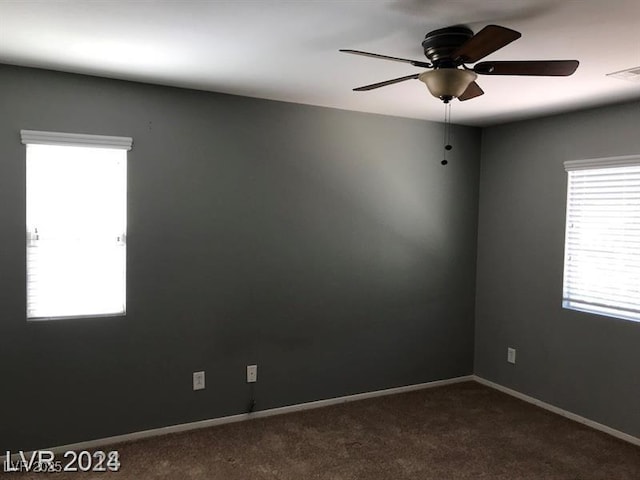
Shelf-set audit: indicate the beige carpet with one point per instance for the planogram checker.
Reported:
(462, 431)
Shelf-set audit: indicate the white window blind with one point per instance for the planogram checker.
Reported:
(602, 239)
(76, 224)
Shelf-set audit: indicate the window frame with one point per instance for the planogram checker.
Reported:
(573, 303)
(34, 137)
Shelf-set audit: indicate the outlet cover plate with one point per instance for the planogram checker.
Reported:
(198, 380)
(511, 355)
(252, 373)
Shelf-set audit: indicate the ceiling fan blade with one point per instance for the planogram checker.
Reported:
(486, 41)
(472, 91)
(386, 82)
(551, 68)
(415, 63)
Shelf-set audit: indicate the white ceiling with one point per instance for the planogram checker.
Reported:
(288, 50)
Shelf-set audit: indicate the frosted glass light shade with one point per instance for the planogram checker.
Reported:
(446, 83)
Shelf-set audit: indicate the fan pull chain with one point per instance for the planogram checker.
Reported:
(447, 133)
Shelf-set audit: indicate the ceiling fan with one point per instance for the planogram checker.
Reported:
(450, 49)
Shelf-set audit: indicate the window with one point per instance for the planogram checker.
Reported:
(602, 237)
(76, 224)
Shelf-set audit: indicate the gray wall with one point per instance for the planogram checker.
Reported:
(584, 363)
(329, 247)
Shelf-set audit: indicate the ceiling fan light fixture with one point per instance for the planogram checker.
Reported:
(447, 83)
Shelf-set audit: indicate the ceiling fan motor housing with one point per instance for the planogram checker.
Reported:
(440, 44)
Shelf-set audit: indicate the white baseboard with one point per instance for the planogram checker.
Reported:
(571, 416)
(184, 427)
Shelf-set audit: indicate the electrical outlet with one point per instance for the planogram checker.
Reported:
(198, 380)
(511, 355)
(252, 373)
